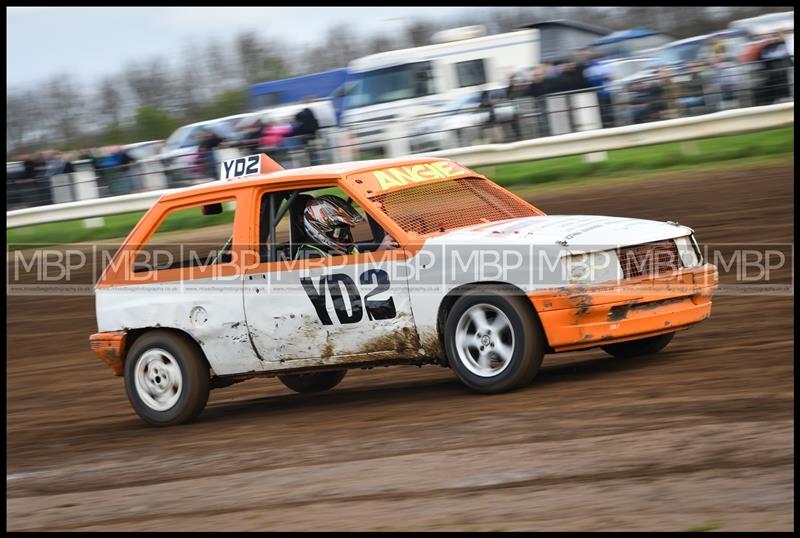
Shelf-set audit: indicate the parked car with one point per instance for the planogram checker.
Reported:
(689, 76)
(180, 151)
(145, 150)
(609, 77)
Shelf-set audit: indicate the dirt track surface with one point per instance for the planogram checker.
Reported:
(697, 436)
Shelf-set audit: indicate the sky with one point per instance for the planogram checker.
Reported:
(91, 42)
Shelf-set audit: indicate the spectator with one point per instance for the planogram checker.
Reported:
(516, 88)
(665, 96)
(16, 183)
(774, 64)
(21, 187)
(305, 128)
(273, 134)
(113, 167)
(692, 90)
(206, 148)
(250, 136)
(540, 85)
(247, 132)
(86, 154)
(42, 193)
(721, 92)
(598, 75)
(273, 140)
(648, 101)
(555, 78)
(486, 104)
(574, 72)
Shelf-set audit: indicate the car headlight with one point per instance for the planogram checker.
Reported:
(600, 266)
(688, 251)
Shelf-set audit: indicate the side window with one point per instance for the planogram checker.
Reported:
(291, 240)
(190, 237)
(422, 79)
(470, 73)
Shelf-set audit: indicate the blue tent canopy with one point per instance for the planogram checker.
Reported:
(623, 35)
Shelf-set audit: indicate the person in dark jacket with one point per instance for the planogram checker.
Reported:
(209, 142)
(305, 128)
(115, 171)
(540, 84)
(539, 88)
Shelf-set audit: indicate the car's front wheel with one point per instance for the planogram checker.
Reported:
(166, 378)
(494, 341)
(313, 381)
(636, 348)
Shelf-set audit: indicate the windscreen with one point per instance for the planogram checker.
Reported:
(680, 53)
(390, 84)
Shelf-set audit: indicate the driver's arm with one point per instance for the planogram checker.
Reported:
(388, 243)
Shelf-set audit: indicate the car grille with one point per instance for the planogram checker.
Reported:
(657, 258)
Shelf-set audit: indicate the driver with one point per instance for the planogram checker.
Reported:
(328, 221)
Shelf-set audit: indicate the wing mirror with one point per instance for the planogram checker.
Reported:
(212, 209)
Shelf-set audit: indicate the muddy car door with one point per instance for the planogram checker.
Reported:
(340, 308)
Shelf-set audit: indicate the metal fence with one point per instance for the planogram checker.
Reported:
(640, 100)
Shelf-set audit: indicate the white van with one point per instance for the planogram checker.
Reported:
(385, 91)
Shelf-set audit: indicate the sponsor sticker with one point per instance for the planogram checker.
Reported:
(401, 176)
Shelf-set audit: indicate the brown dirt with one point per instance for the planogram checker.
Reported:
(697, 436)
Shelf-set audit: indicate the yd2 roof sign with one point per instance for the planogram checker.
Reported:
(252, 165)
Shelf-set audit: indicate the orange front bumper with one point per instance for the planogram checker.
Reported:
(575, 317)
(109, 347)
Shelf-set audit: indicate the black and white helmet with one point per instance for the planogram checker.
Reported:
(327, 221)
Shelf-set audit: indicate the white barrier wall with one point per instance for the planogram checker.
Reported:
(716, 124)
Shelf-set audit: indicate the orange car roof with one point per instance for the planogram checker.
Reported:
(310, 173)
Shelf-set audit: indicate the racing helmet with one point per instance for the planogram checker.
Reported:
(327, 221)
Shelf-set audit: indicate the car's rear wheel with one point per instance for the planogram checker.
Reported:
(636, 348)
(313, 381)
(494, 341)
(166, 378)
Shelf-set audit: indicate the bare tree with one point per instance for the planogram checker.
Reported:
(419, 32)
(379, 43)
(149, 83)
(24, 115)
(65, 106)
(109, 101)
(258, 61)
(218, 68)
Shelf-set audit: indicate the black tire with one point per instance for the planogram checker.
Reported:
(636, 348)
(527, 339)
(194, 378)
(313, 381)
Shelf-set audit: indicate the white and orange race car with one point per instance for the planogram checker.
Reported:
(481, 281)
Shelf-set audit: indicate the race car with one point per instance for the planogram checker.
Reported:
(476, 279)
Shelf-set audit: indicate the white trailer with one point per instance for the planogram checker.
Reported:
(385, 91)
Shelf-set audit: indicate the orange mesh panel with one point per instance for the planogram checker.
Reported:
(441, 206)
(649, 259)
